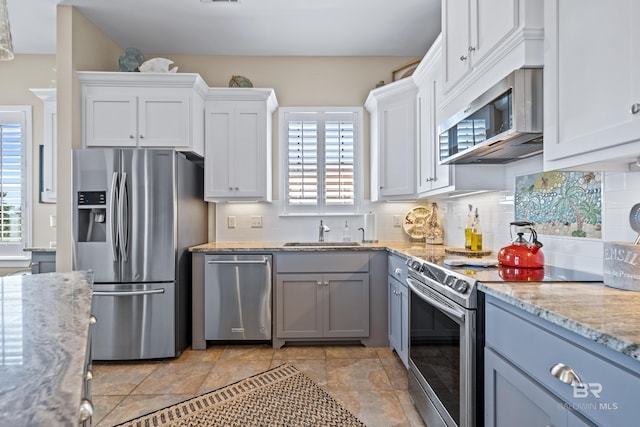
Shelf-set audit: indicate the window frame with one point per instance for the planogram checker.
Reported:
(321, 209)
(16, 256)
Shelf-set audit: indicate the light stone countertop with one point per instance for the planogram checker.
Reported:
(44, 332)
(602, 314)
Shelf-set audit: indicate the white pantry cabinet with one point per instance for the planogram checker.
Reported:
(49, 146)
(238, 144)
(592, 84)
(144, 110)
(481, 36)
(393, 140)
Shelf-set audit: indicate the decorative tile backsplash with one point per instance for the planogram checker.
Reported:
(561, 203)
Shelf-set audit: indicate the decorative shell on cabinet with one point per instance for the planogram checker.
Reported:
(157, 65)
(240, 81)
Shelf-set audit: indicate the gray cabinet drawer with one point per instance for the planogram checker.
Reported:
(535, 346)
(322, 261)
(398, 268)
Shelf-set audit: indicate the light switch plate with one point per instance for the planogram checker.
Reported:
(231, 221)
(256, 221)
(397, 220)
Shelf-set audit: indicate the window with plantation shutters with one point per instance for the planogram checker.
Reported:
(14, 181)
(321, 161)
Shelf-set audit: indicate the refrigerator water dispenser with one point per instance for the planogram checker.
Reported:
(92, 225)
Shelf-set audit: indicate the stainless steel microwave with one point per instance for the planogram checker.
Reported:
(502, 125)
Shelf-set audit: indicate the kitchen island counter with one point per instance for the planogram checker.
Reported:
(44, 328)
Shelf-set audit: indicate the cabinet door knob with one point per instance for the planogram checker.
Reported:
(472, 48)
(397, 270)
(635, 108)
(565, 374)
(141, 136)
(463, 58)
(132, 137)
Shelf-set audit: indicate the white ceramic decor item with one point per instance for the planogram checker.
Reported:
(157, 65)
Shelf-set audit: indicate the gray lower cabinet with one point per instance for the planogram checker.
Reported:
(514, 399)
(540, 374)
(398, 308)
(332, 305)
(43, 262)
(330, 296)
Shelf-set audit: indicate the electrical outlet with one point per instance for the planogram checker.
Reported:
(256, 221)
(397, 221)
(231, 221)
(52, 221)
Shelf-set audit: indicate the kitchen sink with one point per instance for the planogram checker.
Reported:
(329, 244)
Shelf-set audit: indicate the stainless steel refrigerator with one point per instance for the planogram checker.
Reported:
(136, 212)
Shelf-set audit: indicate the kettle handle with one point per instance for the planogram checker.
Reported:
(536, 243)
(522, 223)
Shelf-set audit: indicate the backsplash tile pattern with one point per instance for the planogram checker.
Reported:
(561, 203)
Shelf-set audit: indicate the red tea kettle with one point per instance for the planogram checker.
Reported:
(521, 253)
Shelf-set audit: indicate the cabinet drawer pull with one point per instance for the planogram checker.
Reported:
(635, 108)
(565, 374)
(397, 270)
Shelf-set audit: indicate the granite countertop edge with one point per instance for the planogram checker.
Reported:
(607, 339)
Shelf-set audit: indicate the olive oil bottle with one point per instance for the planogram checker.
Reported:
(468, 230)
(476, 233)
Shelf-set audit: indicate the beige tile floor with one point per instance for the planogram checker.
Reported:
(370, 382)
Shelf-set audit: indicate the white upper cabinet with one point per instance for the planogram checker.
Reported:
(393, 140)
(481, 36)
(145, 110)
(592, 84)
(431, 175)
(238, 144)
(49, 146)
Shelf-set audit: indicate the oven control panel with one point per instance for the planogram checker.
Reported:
(448, 281)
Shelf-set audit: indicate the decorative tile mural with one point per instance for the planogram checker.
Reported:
(561, 203)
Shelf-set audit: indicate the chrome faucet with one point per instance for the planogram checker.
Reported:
(323, 229)
(362, 229)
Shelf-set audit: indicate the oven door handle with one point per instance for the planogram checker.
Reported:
(451, 311)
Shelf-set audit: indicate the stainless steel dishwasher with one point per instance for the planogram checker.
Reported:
(237, 297)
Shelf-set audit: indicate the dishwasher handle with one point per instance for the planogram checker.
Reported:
(128, 294)
(264, 260)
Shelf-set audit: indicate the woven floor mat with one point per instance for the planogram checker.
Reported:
(282, 396)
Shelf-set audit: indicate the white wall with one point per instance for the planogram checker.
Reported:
(621, 191)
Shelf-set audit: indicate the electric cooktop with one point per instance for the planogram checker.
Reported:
(515, 274)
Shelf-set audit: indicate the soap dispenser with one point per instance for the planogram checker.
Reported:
(346, 232)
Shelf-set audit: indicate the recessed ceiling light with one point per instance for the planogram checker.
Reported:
(219, 1)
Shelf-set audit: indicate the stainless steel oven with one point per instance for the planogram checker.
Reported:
(444, 330)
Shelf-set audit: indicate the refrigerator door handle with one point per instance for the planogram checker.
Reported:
(128, 294)
(123, 218)
(113, 201)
